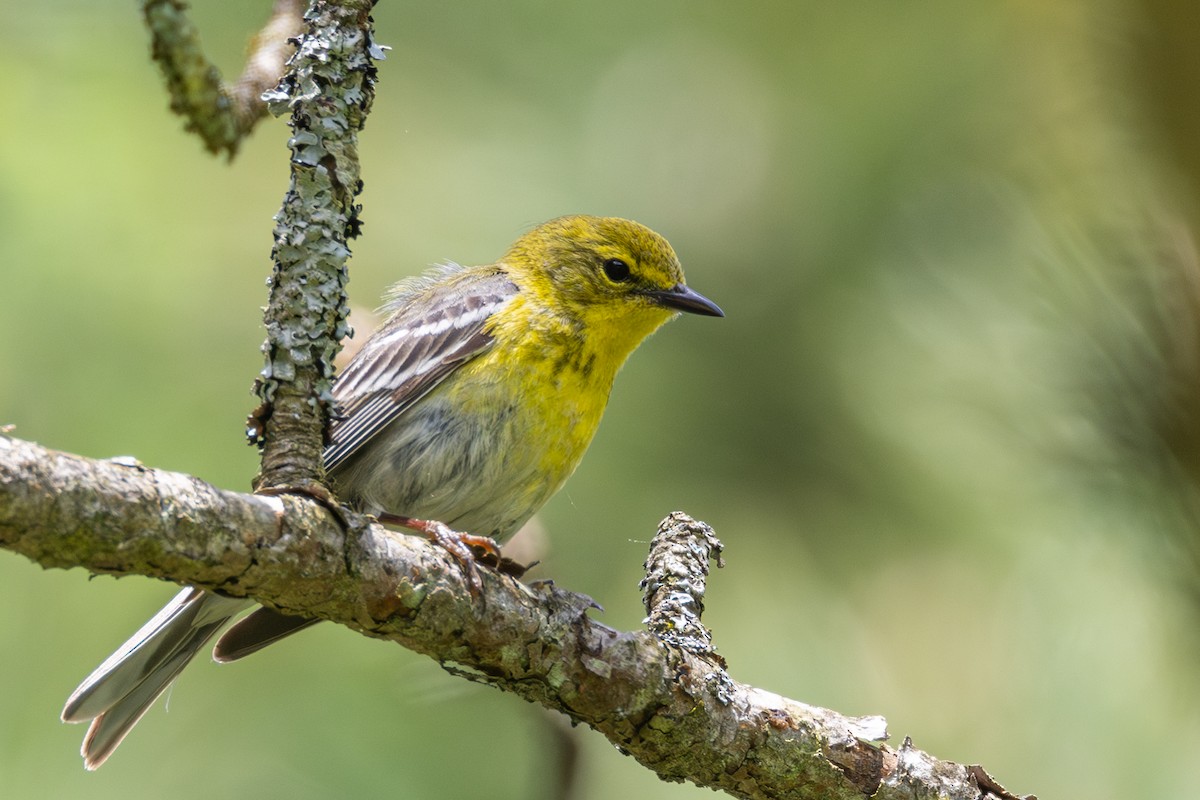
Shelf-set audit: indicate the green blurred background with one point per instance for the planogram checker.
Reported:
(946, 432)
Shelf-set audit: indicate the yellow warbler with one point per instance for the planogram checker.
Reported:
(467, 409)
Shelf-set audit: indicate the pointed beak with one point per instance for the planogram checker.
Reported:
(682, 298)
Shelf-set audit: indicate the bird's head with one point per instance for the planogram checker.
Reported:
(606, 271)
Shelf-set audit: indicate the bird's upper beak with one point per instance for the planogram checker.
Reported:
(683, 298)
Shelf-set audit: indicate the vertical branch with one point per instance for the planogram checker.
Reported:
(328, 89)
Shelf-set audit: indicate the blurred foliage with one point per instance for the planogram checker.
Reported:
(947, 431)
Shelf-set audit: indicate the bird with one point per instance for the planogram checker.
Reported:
(462, 414)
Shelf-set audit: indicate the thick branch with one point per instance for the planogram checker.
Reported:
(672, 709)
(220, 114)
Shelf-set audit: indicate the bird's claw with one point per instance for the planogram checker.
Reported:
(467, 549)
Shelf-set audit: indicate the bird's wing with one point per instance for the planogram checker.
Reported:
(438, 323)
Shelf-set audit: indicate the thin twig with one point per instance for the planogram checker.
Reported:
(220, 114)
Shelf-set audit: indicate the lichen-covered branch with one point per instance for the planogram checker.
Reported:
(675, 583)
(220, 113)
(673, 709)
(328, 89)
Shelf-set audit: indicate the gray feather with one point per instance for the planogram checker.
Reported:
(118, 692)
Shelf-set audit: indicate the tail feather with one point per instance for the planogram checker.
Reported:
(120, 690)
(255, 631)
(110, 728)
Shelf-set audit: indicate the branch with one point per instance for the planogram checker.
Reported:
(328, 89)
(220, 114)
(664, 699)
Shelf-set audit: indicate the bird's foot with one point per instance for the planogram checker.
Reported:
(467, 549)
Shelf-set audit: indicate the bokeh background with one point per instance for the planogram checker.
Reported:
(947, 431)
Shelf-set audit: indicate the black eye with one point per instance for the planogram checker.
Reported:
(616, 270)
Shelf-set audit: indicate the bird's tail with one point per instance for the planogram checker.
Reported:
(116, 695)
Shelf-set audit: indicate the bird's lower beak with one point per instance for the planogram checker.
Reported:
(683, 298)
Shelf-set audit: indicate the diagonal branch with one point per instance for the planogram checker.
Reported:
(220, 113)
(670, 706)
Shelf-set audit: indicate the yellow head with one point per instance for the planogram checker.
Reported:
(614, 276)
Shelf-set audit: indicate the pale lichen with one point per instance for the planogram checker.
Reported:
(328, 90)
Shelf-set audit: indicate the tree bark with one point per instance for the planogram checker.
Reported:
(669, 704)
